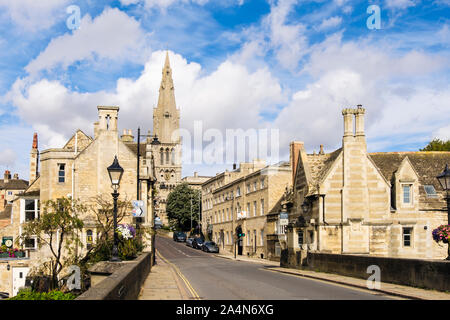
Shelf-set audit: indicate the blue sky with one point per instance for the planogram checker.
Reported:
(289, 65)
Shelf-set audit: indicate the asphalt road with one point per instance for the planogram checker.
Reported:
(215, 278)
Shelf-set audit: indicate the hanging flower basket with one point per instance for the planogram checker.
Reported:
(442, 233)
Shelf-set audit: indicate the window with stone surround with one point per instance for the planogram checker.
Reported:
(61, 172)
(262, 207)
(407, 236)
(407, 194)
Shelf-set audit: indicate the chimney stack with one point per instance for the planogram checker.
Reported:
(6, 176)
(34, 159)
(321, 149)
(16, 176)
(295, 147)
(234, 166)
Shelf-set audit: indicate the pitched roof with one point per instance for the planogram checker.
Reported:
(14, 184)
(428, 164)
(319, 165)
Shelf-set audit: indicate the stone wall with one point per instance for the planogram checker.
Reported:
(124, 283)
(429, 274)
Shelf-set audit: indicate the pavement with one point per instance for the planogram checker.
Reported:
(164, 282)
(386, 288)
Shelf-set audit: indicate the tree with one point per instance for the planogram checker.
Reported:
(437, 145)
(179, 207)
(57, 228)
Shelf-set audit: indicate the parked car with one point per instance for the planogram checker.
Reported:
(197, 243)
(189, 242)
(210, 246)
(179, 236)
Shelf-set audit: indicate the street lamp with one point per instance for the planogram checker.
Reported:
(444, 180)
(115, 172)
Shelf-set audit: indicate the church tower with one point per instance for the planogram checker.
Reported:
(166, 125)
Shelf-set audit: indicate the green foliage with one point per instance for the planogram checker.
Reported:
(52, 295)
(58, 228)
(179, 207)
(437, 145)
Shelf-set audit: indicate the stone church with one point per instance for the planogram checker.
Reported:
(79, 170)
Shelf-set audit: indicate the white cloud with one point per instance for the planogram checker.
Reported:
(32, 15)
(351, 73)
(331, 22)
(7, 157)
(112, 35)
(442, 133)
(400, 4)
(288, 40)
(229, 97)
(164, 4)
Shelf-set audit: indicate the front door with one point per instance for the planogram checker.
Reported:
(19, 275)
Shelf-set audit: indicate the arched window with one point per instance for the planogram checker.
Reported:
(173, 156)
(167, 156)
(162, 155)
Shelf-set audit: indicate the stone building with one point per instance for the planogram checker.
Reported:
(9, 189)
(195, 181)
(350, 201)
(243, 198)
(166, 125)
(79, 170)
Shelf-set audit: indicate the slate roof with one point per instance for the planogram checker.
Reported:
(319, 165)
(14, 184)
(428, 164)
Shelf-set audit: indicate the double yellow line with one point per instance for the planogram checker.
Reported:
(192, 291)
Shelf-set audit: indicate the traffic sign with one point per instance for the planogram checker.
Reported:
(138, 208)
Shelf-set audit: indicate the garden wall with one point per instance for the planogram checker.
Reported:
(124, 283)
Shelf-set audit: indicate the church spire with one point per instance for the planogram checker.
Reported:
(166, 115)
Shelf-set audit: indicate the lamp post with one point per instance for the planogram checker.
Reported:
(444, 180)
(115, 172)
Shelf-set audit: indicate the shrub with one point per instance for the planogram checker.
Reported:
(52, 295)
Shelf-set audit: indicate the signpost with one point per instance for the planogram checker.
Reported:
(138, 208)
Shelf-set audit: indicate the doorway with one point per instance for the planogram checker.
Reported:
(19, 275)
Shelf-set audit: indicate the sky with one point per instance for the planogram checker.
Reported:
(286, 65)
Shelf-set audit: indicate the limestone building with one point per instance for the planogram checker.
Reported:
(79, 170)
(243, 198)
(195, 181)
(350, 201)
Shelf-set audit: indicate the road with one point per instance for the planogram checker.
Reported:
(215, 278)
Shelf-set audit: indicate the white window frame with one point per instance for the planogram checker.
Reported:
(411, 194)
(262, 207)
(261, 238)
(255, 208)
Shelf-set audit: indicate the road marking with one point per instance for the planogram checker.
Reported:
(194, 294)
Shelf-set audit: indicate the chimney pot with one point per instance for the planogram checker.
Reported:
(321, 149)
(16, 176)
(234, 166)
